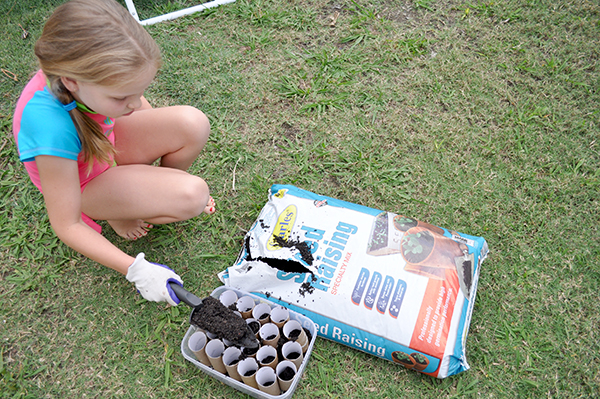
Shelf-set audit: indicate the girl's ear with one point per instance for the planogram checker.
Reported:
(70, 84)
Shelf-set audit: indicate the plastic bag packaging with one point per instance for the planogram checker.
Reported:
(383, 283)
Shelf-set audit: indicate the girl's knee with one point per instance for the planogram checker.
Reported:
(195, 124)
(194, 197)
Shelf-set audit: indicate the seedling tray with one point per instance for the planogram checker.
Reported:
(304, 321)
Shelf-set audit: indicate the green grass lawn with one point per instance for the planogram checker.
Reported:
(479, 116)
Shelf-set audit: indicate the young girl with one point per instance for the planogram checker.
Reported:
(88, 139)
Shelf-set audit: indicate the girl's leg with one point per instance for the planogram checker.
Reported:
(127, 195)
(175, 135)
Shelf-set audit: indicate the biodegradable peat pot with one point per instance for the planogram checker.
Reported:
(266, 379)
(231, 359)
(245, 305)
(286, 371)
(197, 344)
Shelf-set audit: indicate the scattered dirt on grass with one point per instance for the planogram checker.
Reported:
(290, 131)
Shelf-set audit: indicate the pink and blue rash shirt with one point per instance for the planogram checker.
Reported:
(41, 126)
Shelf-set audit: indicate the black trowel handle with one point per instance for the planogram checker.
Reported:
(186, 296)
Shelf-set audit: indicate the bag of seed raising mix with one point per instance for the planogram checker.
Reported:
(379, 282)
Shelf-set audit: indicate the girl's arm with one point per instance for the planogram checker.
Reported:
(62, 194)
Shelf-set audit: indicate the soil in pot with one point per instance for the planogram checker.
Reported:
(268, 359)
(294, 334)
(249, 351)
(287, 374)
(254, 326)
(263, 316)
(308, 334)
(282, 340)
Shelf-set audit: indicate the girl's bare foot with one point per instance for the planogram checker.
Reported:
(130, 229)
(210, 207)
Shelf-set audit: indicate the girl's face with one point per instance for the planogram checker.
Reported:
(112, 101)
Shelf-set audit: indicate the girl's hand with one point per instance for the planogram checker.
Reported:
(152, 280)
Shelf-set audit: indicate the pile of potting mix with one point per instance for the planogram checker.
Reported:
(272, 366)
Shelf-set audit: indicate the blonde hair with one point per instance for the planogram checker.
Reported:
(98, 42)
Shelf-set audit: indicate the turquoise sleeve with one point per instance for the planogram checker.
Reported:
(47, 129)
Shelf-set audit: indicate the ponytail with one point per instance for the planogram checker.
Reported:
(94, 144)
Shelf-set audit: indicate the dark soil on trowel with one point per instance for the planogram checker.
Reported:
(214, 317)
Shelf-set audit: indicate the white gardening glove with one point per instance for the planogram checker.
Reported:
(152, 280)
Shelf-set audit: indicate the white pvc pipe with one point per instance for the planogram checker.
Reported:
(174, 14)
(132, 10)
